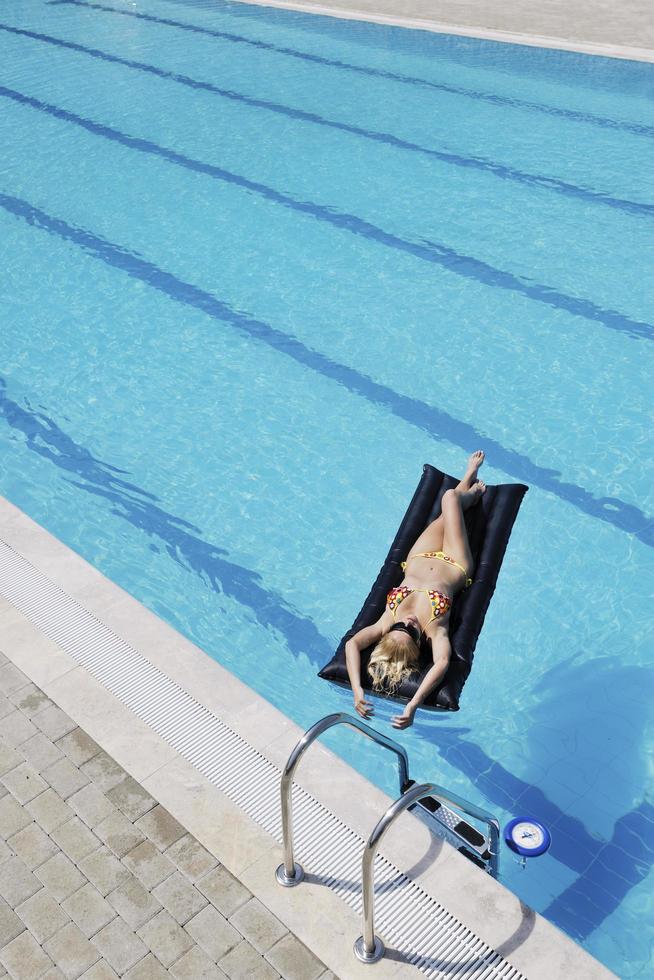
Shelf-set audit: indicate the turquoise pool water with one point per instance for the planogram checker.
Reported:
(258, 267)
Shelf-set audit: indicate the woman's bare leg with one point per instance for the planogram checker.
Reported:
(470, 475)
(455, 535)
(432, 538)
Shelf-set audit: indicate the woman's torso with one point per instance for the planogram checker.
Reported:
(424, 576)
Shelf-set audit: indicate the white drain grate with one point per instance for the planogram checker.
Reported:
(406, 917)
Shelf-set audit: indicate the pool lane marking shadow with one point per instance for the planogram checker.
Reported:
(181, 539)
(498, 100)
(435, 421)
(607, 869)
(465, 266)
(582, 907)
(476, 163)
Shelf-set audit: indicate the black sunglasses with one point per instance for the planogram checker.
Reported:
(409, 629)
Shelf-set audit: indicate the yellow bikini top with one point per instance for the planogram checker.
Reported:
(441, 556)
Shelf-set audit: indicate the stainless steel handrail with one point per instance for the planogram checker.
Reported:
(289, 873)
(369, 948)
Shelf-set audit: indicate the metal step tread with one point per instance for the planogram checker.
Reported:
(450, 826)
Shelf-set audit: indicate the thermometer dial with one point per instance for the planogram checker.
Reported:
(527, 836)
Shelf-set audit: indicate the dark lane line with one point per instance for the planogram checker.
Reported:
(436, 422)
(500, 100)
(447, 258)
(606, 870)
(387, 139)
(618, 868)
(181, 540)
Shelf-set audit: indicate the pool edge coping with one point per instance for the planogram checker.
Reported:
(489, 910)
(598, 48)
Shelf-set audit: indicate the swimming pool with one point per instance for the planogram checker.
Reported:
(259, 267)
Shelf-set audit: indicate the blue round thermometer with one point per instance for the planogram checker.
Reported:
(527, 837)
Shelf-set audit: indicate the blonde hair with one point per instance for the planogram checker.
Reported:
(391, 661)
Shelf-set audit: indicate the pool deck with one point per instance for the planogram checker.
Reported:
(98, 880)
(89, 745)
(614, 30)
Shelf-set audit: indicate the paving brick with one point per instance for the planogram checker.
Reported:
(293, 960)
(49, 810)
(40, 752)
(91, 805)
(5, 852)
(191, 857)
(196, 965)
(104, 870)
(259, 926)
(54, 973)
(29, 699)
(16, 728)
(224, 891)
(161, 827)
(149, 968)
(24, 782)
(104, 771)
(42, 915)
(60, 877)
(148, 864)
(17, 883)
(119, 833)
(245, 963)
(6, 706)
(11, 678)
(10, 757)
(131, 798)
(13, 817)
(75, 839)
(78, 746)
(71, 951)
(32, 846)
(3, 791)
(100, 971)
(134, 902)
(213, 933)
(24, 959)
(54, 722)
(179, 897)
(165, 938)
(88, 910)
(120, 947)
(10, 925)
(65, 778)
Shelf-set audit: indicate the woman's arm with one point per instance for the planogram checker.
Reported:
(360, 641)
(441, 652)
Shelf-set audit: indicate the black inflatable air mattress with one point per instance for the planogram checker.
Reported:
(489, 525)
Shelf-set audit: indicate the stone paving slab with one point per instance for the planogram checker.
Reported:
(99, 881)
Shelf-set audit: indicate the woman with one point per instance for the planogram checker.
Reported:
(438, 566)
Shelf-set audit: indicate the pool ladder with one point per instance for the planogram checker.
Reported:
(429, 801)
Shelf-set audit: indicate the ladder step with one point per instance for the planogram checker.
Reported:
(449, 825)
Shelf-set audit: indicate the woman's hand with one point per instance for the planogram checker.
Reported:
(363, 707)
(405, 720)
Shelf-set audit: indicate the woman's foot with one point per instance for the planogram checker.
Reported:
(472, 469)
(470, 497)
